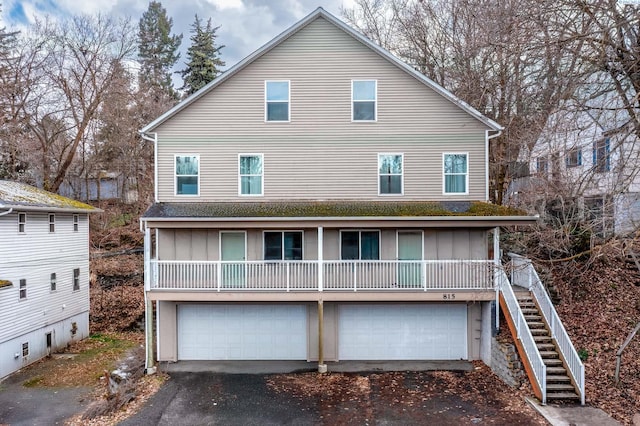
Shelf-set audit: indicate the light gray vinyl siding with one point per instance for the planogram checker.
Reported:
(321, 153)
(34, 256)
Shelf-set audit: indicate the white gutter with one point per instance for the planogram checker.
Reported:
(344, 218)
(154, 139)
(49, 209)
(7, 212)
(486, 159)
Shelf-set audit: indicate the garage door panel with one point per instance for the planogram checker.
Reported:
(402, 332)
(242, 332)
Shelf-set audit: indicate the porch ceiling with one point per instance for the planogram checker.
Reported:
(335, 214)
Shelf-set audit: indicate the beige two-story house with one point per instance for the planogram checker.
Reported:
(322, 201)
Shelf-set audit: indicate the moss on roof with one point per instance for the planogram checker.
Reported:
(5, 283)
(329, 209)
(20, 194)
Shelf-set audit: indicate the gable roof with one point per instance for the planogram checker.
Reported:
(20, 196)
(321, 13)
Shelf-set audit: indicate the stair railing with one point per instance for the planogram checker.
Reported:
(526, 276)
(523, 334)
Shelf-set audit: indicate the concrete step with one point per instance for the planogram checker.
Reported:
(562, 395)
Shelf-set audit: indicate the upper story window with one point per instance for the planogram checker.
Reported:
(76, 279)
(601, 156)
(250, 174)
(456, 176)
(53, 282)
(283, 245)
(22, 222)
(23, 288)
(76, 222)
(360, 245)
(187, 174)
(390, 173)
(52, 222)
(277, 100)
(363, 100)
(542, 165)
(574, 157)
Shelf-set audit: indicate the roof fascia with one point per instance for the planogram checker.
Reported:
(23, 208)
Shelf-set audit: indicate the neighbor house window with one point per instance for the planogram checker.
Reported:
(76, 279)
(187, 174)
(456, 174)
(283, 245)
(363, 100)
(76, 222)
(25, 349)
(601, 156)
(360, 245)
(22, 222)
(23, 288)
(53, 281)
(52, 222)
(542, 165)
(574, 157)
(276, 100)
(390, 173)
(251, 173)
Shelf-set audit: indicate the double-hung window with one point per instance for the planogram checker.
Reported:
(542, 165)
(360, 245)
(76, 279)
(187, 174)
(52, 222)
(574, 158)
(601, 156)
(286, 245)
(23, 288)
(456, 176)
(53, 281)
(22, 222)
(390, 173)
(76, 222)
(364, 96)
(250, 174)
(277, 100)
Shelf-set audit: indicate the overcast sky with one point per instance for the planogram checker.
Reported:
(245, 25)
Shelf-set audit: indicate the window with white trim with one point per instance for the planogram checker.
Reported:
(390, 173)
(364, 96)
(53, 281)
(277, 100)
(76, 222)
(455, 173)
(23, 288)
(360, 245)
(250, 171)
(76, 279)
(187, 174)
(283, 245)
(52, 222)
(22, 222)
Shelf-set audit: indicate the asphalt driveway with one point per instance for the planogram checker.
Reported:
(391, 398)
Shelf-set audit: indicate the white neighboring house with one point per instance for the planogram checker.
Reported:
(588, 160)
(44, 273)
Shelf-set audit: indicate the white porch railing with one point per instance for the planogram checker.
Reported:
(419, 275)
(523, 333)
(525, 275)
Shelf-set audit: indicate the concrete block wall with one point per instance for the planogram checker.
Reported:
(506, 363)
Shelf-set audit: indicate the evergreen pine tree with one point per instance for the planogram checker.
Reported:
(203, 57)
(157, 49)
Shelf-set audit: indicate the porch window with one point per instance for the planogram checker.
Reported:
(283, 245)
(363, 100)
(360, 245)
(455, 173)
(187, 174)
(251, 172)
(277, 100)
(390, 173)
(601, 156)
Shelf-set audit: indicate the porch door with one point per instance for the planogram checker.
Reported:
(233, 250)
(409, 248)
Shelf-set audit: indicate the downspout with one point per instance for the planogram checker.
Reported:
(7, 212)
(149, 366)
(153, 137)
(486, 159)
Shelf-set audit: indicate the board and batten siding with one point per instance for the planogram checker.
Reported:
(34, 256)
(321, 153)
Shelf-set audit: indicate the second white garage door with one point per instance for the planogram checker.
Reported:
(402, 332)
(242, 332)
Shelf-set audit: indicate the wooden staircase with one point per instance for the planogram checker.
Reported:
(559, 384)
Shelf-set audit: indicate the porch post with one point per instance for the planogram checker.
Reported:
(496, 261)
(322, 367)
(148, 305)
(320, 258)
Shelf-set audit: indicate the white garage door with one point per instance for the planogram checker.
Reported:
(403, 332)
(242, 332)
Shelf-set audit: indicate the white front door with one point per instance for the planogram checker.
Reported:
(402, 331)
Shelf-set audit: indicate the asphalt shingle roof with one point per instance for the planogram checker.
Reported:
(16, 195)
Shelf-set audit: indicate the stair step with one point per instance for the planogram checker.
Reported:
(528, 311)
(545, 346)
(540, 332)
(533, 317)
(555, 362)
(560, 387)
(557, 378)
(556, 371)
(562, 395)
(535, 324)
(542, 338)
(549, 354)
